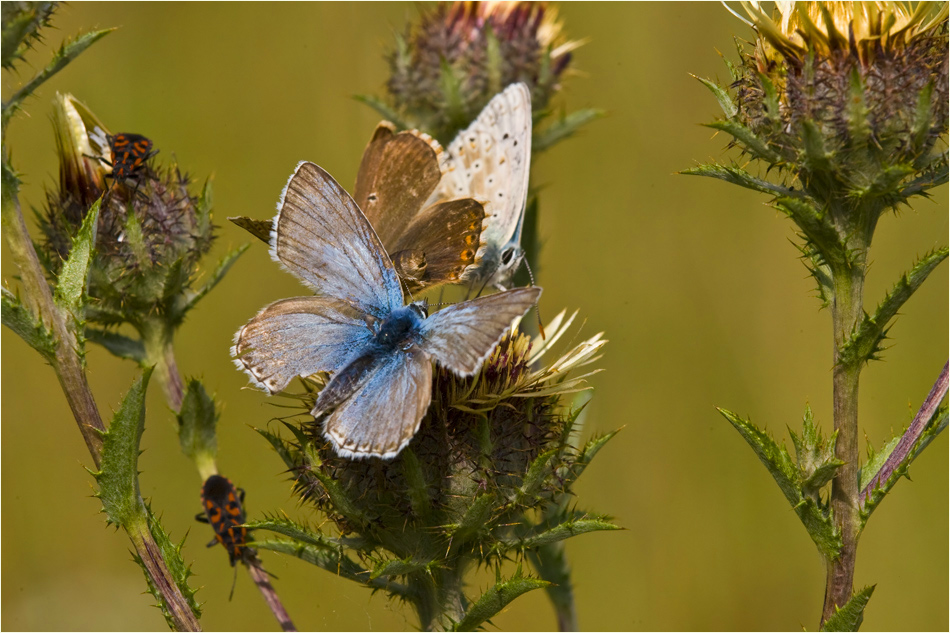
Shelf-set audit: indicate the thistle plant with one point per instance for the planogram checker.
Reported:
(843, 107)
(486, 480)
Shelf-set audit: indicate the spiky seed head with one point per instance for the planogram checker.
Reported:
(460, 54)
(869, 77)
(152, 231)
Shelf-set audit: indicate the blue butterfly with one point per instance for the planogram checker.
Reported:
(378, 350)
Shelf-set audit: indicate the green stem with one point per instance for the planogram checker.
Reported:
(847, 311)
(438, 597)
(160, 353)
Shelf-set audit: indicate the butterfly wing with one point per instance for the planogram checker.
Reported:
(322, 237)
(397, 175)
(447, 233)
(299, 337)
(462, 335)
(383, 414)
(490, 161)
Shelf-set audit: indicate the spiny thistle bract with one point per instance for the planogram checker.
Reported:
(151, 233)
(485, 479)
(459, 55)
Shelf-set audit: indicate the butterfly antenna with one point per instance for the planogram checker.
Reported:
(537, 306)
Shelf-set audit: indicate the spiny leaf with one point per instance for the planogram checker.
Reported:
(71, 282)
(564, 127)
(779, 463)
(69, 50)
(819, 270)
(850, 616)
(335, 563)
(865, 341)
(817, 227)
(817, 463)
(497, 598)
(934, 175)
(887, 182)
(196, 426)
(282, 446)
(816, 157)
(416, 485)
(21, 24)
(398, 567)
(475, 519)
(537, 472)
(753, 144)
(722, 96)
(258, 228)
(295, 531)
(566, 530)
(219, 272)
(923, 119)
(19, 319)
(875, 461)
(587, 454)
(118, 476)
(859, 128)
(117, 344)
(737, 176)
(203, 208)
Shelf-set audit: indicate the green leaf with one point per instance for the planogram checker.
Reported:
(923, 119)
(494, 61)
(295, 531)
(197, 420)
(750, 142)
(117, 344)
(203, 209)
(740, 177)
(722, 96)
(817, 227)
(865, 342)
(497, 598)
(587, 454)
(934, 175)
(573, 527)
(335, 563)
(19, 319)
(219, 272)
(771, 99)
(817, 463)
(398, 567)
(21, 24)
(284, 449)
(118, 476)
(816, 157)
(71, 282)
(875, 461)
(180, 572)
(453, 108)
(565, 127)
(258, 228)
(814, 517)
(476, 518)
(820, 272)
(850, 616)
(69, 50)
(538, 471)
(384, 111)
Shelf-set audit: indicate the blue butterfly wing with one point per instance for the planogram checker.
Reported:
(462, 335)
(323, 238)
(384, 412)
(299, 337)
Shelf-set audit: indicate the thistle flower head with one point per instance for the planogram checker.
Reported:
(493, 453)
(460, 54)
(151, 231)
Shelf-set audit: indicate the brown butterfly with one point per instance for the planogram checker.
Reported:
(429, 245)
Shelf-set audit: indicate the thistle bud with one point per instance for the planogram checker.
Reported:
(151, 232)
(459, 55)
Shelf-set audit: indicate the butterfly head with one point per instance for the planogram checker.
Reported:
(400, 330)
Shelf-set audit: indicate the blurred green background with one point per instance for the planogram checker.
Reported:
(695, 283)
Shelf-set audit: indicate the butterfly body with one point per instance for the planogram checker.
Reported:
(490, 161)
(378, 351)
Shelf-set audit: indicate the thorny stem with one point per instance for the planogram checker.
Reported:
(160, 352)
(72, 379)
(909, 440)
(847, 310)
(39, 300)
(270, 596)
